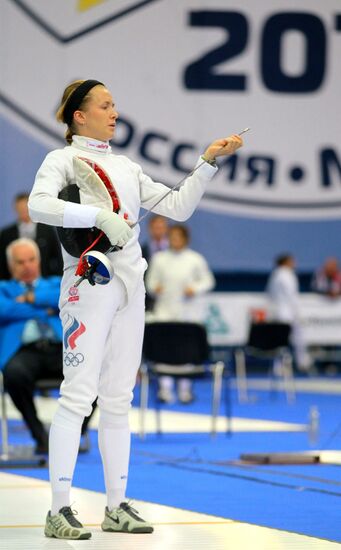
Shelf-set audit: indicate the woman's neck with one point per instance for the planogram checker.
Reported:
(91, 144)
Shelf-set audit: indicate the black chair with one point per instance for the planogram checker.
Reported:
(20, 455)
(266, 341)
(14, 456)
(176, 344)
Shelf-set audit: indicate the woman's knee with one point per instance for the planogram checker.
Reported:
(119, 405)
(81, 404)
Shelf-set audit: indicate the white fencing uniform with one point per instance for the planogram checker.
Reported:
(102, 325)
(283, 293)
(102, 334)
(174, 271)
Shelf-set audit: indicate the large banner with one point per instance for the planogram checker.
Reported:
(183, 72)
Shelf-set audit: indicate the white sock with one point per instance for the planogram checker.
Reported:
(63, 449)
(184, 385)
(166, 382)
(114, 446)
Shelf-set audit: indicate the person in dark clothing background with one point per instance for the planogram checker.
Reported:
(157, 241)
(31, 336)
(30, 332)
(44, 235)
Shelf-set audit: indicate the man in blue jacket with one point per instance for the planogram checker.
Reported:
(30, 332)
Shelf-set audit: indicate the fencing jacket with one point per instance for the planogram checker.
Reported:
(134, 189)
(283, 294)
(175, 271)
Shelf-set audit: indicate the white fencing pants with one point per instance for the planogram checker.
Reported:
(102, 344)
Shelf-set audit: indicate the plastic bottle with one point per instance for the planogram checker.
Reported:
(314, 424)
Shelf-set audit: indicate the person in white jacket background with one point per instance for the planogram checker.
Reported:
(175, 277)
(103, 325)
(283, 295)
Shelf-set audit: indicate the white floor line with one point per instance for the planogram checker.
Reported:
(27, 501)
(321, 385)
(172, 421)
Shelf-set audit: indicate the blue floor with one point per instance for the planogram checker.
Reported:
(196, 472)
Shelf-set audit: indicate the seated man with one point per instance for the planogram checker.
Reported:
(30, 335)
(30, 332)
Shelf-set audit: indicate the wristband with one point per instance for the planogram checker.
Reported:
(211, 162)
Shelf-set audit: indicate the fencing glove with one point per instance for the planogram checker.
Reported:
(115, 228)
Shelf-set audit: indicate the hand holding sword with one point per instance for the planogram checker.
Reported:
(225, 146)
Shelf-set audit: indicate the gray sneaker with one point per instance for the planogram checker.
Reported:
(124, 519)
(64, 525)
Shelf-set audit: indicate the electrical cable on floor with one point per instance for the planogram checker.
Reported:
(331, 437)
(181, 462)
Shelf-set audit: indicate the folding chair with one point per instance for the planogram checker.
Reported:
(267, 341)
(177, 344)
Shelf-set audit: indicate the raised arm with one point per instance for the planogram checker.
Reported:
(180, 204)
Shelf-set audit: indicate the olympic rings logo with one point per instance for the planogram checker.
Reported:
(73, 359)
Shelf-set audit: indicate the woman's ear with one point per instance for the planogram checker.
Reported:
(79, 117)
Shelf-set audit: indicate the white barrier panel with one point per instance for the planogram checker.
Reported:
(227, 317)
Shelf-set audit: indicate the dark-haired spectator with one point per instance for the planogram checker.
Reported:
(157, 242)
(44, 235)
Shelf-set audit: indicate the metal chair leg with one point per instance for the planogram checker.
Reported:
(275, 375)
(4, 425)
(155, 382)
(218, 370)
(158, 413)
(228, 403)
(288, 377)
(241, 376)
(143, 398)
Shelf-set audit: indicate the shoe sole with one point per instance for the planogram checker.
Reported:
(136, 530)
(51, 535)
